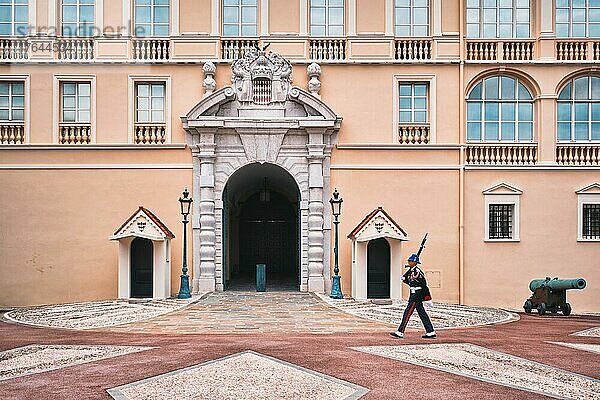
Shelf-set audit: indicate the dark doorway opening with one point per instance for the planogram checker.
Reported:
(378, 269)
(141, 276)
(261, 226)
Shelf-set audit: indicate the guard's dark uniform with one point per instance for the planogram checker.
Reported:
(419, 292)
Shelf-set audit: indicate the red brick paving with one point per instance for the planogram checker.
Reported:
(329, 354)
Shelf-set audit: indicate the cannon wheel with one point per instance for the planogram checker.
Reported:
(528, 306)
(566, 309)
(541, 308)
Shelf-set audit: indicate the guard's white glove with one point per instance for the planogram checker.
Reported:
(428, 303)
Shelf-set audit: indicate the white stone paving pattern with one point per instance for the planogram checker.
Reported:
(592, 332)
(492, 366)
(93, 315)
(443, 316)
(592, 348)
(34, 359)
(246, 375)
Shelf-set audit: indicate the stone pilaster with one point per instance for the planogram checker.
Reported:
(206, 211)
(316, 252)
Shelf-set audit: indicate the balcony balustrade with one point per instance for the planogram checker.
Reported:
(501, 154)
(14, 49)
(578, 154)
(151, 49)
(75, 49)
(498, 50)
(150, 133)
(75, 133)
(235, 48)
(412, 49)
(12, 133)
(413, 134)
(327, 49)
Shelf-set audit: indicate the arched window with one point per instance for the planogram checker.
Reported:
(500, 108)
(578, 109)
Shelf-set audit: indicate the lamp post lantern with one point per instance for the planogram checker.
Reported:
(184, 287)
(336, 210)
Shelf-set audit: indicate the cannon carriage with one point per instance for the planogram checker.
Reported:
(550, 295)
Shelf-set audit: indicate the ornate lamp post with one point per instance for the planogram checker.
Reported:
(336, 210)
(184, 287)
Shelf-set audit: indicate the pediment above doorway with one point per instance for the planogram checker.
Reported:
(377, 224)
(144, 224)
(261, 95)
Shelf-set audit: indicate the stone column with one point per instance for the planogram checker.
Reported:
(204, 241)
(316, 282)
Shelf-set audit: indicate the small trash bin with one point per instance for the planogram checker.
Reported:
(261, 277)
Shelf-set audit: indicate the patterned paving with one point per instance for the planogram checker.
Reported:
(592, 332)
(256, 312)
(34, 359)
(593, 348)
(93, 315)
(442, 316)
(492, 366)
(246, 375)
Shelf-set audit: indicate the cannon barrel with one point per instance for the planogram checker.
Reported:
(557, 284)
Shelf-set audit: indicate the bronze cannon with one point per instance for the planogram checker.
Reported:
(550, 295)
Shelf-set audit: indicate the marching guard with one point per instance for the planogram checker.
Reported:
(419, 293)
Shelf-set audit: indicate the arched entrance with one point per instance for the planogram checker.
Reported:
(141, 268)
(378, 269)
(261, 226)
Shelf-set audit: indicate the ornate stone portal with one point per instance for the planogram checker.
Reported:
(261, 118)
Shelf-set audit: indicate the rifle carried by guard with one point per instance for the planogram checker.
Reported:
(422, 244)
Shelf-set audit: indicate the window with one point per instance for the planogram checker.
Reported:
(78, 17)
(578, 18)
(502, 203)
(327, 17)
(501, 221)
(12, 101)
(411, 18)
(76, 102)
(498, 18)
(150, 102)
(588, 204)
(152, 17)
(500, 108)
(239, 18)
(14, 17)
(578, 109)
(412, 102)
(591, 221)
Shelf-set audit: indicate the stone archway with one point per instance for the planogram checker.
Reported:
(261, 118)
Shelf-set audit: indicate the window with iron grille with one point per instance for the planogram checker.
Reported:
(501, 221)
(591, 221)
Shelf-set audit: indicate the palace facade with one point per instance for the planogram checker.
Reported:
(474, 121)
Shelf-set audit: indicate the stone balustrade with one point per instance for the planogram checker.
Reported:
(235, 48)
(75, 133)
(150, 133)
(327, 49)
(14, 49)
(12, 133)
(412, 49)
(501, 154)
(498, 50)
(577, 154)
(413, 134)
(75, 49)
(482, 50)
(151, 49)
(596, 50)
(571, 50)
